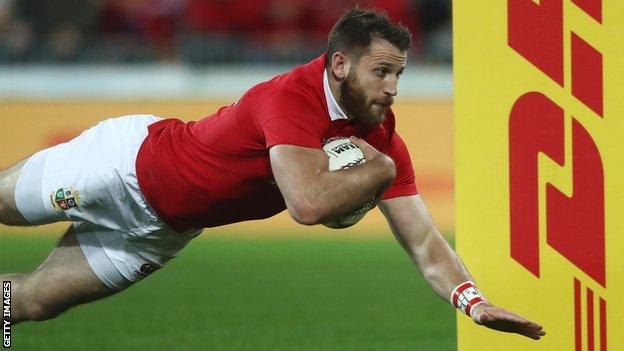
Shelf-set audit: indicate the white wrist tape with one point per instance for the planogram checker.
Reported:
(466, 296)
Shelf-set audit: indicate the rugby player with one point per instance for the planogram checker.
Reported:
(142, 187)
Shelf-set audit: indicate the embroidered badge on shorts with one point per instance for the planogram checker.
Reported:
(64, 198)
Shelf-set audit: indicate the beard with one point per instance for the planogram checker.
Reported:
(358, 107)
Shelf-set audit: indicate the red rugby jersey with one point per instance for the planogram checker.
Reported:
(217, 170)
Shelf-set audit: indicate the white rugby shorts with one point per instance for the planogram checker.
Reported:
(91, 181)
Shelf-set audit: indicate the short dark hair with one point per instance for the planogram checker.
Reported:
(355, 30)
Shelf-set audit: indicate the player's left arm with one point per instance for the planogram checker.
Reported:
(415, 230)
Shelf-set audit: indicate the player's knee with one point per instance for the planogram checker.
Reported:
(37, 310)
(35, 304)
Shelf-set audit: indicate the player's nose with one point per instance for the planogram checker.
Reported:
(391, 87)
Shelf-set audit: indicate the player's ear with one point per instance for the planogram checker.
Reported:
(340, 65)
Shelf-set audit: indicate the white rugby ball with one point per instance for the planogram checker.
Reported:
(343, 154)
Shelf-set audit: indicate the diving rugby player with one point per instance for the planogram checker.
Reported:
(141, 187)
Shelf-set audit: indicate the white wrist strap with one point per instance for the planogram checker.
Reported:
(466, 296)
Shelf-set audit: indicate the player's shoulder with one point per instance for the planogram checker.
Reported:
(303, 81)
(279, 99)
(397, 146)
(394, 142)
(299, 90)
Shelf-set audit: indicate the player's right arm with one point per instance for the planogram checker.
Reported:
(314, 195)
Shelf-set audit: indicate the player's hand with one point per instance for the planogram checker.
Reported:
(383, 163)
(499, 319)
(368, 151)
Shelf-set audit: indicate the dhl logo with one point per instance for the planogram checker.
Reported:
(575, 226)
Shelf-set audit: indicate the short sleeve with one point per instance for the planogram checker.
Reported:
(404, 183)
(292, 131)
(290, 116)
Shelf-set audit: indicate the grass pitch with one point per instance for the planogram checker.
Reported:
(252, 294)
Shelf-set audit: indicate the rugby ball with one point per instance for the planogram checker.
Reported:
(343, 154)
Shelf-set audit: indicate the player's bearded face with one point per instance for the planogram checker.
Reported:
(359, 105)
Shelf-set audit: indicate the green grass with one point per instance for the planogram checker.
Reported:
(252, 294)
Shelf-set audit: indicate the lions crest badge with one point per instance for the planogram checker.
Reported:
(64, 198)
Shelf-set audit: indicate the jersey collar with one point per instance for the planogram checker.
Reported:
(335, 112)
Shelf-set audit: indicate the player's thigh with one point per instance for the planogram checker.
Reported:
(23, 200)
(65, 278)
(90, 178)
(9, 214)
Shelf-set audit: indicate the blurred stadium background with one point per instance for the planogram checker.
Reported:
(270, 285)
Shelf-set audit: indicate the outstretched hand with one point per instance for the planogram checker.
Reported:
(499, 319)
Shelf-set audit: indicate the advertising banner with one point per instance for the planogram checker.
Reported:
(539, 167)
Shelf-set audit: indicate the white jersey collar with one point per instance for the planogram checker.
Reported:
(335, 112)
